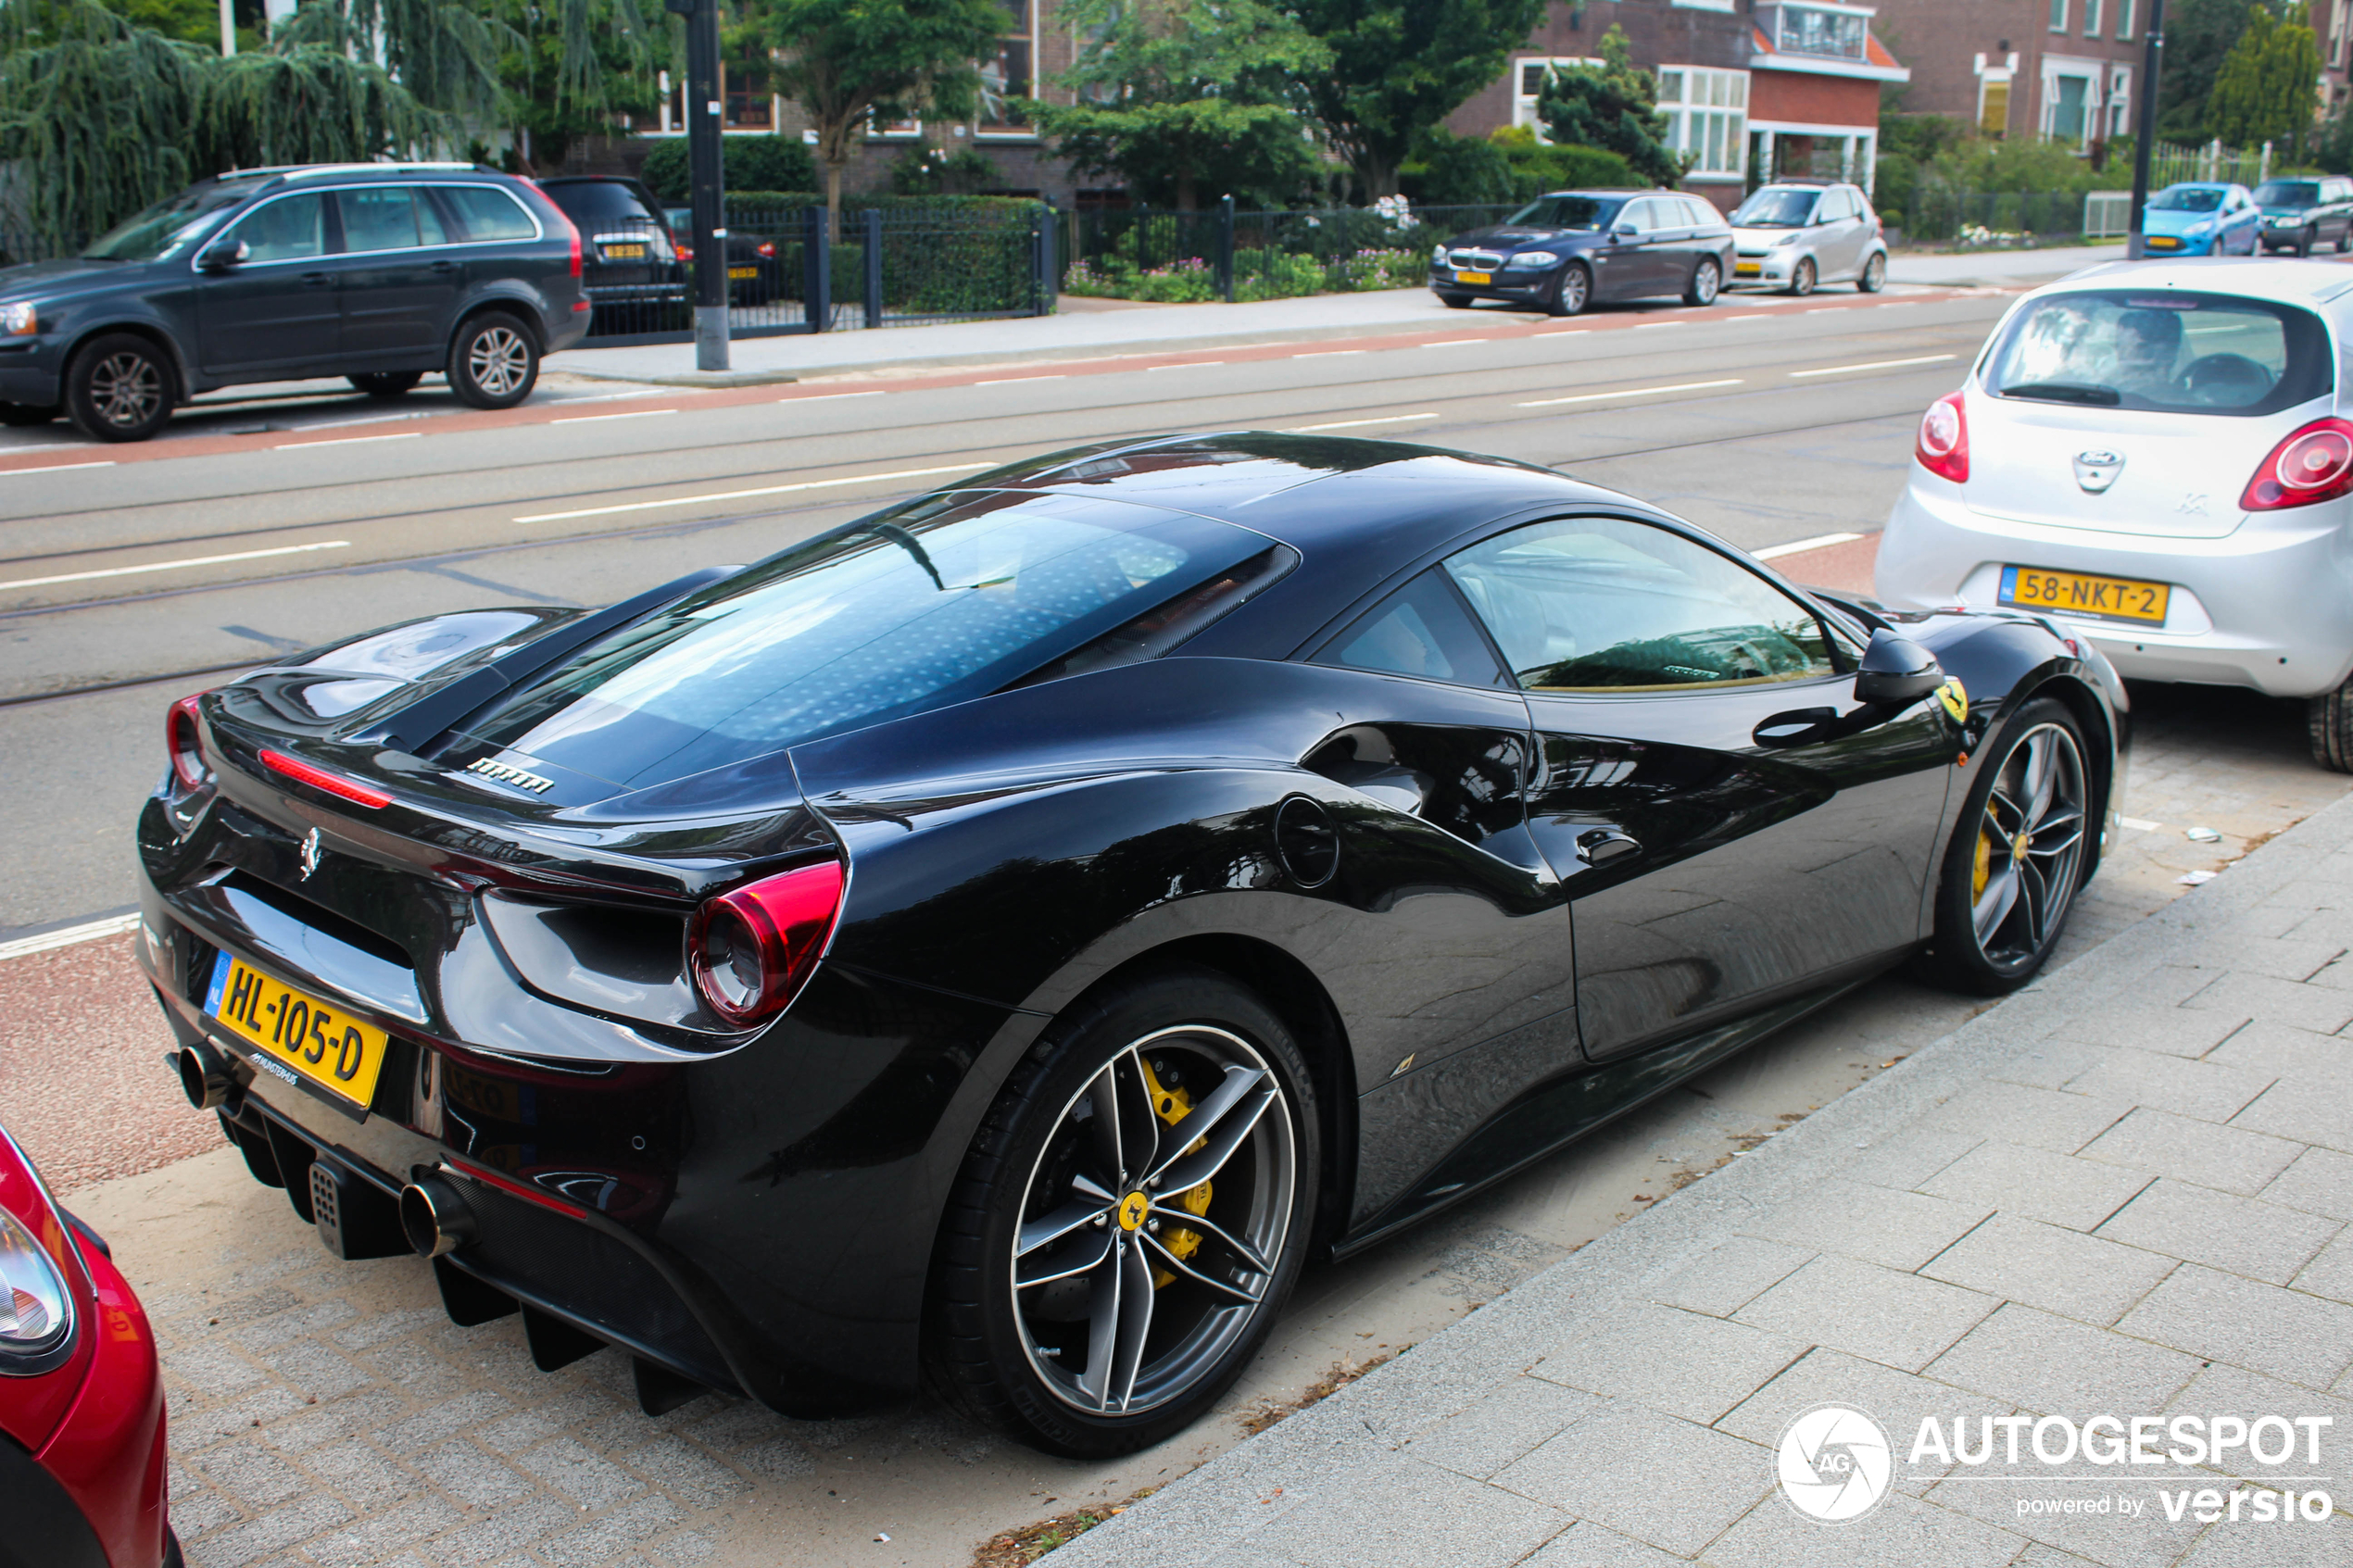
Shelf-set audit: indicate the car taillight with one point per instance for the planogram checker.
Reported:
(573, 230)
(685, 253)
(1942, 447)
(767, 247)
(183, 738)
(318, 778)
(2312, 464)
(37, 1259)
(752, 950)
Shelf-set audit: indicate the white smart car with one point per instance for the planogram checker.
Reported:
(2157, 454)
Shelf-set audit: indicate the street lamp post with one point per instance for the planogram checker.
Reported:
(2145, 128)
(706, 178)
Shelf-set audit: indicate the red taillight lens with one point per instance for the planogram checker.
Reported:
(752, 950)
(2312, 464)
(1942, 447)
(573, 230)
(685, 253)
(318, 778)
(768, 248)
(184, 739)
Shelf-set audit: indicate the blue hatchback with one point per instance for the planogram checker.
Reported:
(2202, 218)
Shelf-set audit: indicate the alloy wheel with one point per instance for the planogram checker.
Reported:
(498, 360)
(1707, 278)
(127, 389)
(1571, 292)
(1801, 280)
(1153, 1220)
(2029, 846)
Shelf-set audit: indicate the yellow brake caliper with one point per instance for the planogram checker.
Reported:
(1982, 872)
(1171, 1105)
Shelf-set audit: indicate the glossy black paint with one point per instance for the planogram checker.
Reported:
(1472, 990)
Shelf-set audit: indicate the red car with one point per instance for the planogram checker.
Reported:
(81, 1455)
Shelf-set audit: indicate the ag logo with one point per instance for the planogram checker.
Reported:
(1834, 1465)
(1955, 697)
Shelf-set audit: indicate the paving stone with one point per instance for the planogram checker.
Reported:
(2331, 1273)
(1902, 1531)
(315, 1369)
(2046, 1364)
(252, 1474)
(2207, 1090)
(2281, 958)
(215, 1370)
(2051, 1063)
(684, 1547)
(363, 1477)
(504, 1532)
(2045, 1118)
(2176, 1030)
(1410, 1514)
(2286, 1052)
(1880, 1314)
(1901, 1229)
(427, 1428)
(2224, 1389)
(2316, 1008)
(2308, 1112)
(1645, 1475)
(1909, 1159)
(2233, 1158)
(2237, 1235)
(2321, 1181)
(312, 1425)
(419, 1373)
(2222, 1317)
(462, 1470)
(1588, 1545)
(376, 1539)
(2147, 1541)
(581, 1475)
(1897, 1401)
(778, 1460)
(274, 1531)
(1500, 1426)
(2036, 1184)
(2051, 1267)
(198, 1509)
(192, 1428)
(600, 1540)
(685, 1472)
(1732, 1274)
(294, 1323)
(1686, 1364)
(2327, 1544)
(378, 1328)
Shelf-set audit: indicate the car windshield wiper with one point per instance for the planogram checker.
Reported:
(2066, 392)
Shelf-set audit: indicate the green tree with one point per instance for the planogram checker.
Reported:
(1188, 98)
(1614, 106)
(2265, 90)
(565, 67)
(2199, 36)
(845, 59)
(1399, 67)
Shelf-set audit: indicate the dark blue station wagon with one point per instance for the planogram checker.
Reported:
(377, 272)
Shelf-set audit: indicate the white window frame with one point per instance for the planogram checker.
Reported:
(982, 132)
(2119, 101)
(1523, 104)
(2090, 18)
(2125, 21)
(1688, 117)
(2058, 16)
(2094, 76)
(1702, 4)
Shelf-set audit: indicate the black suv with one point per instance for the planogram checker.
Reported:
(637, 274)
(378, 272)
(2302, 215)
(1567, 249)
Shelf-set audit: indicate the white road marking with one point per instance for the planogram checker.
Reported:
(629, 414)
(1875, 365)
(1645, 326)
(1631, 392)
(1458, 342)
(1187, 364)
(174, 565)
(53, 467)
(1357, 424)
(1015, 380)
(742, 494)
(346, 439)
(1799, 546)
(88, 931)
(830, 396)
(1330, 353)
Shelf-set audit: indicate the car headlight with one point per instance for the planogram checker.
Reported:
(36, 1310)
(20, 320)
(1789, 239)
(1530, 260)
(1438, 257)
(2204, 227)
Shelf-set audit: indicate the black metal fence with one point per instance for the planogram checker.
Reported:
(1994, 219)
(1220, 253)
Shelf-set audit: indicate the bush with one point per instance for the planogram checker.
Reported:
(749, 163)
(1450, 170)
(1538, 167)
(927, 171)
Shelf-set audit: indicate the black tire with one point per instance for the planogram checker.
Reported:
(1802, 279)
(119, 387)
(1572, 290)
(2345, 239)
(1455, 301)
(386, 385)
(22, 415)
(1991, 957)
(2330, 719)
(1874, 277)
(2304, 243)
(985, 1341)
(494, 361)
(1707, 282)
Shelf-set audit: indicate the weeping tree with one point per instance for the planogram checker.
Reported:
(566, 67)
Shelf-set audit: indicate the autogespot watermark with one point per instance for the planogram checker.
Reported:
(1835, 1464)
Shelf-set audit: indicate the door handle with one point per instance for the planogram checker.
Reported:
(445, 268)
(314, 279)
(1599, 847)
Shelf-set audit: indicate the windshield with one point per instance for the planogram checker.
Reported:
(2186, 198)
(2287, 192)
(1770, 208)
(1567, 212)
(935, 602)
(163, 228)
(2192, 353)
(598, 201)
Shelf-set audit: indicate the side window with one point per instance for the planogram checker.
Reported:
(289, 228)
(1702, 216)
(487, 214)
(1835, 206)
(381, 217)
(1637, 217)
(1420, 630)
(1597, 603)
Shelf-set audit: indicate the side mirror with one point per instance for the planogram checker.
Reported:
(1895, 671)
(223, 254)
(1622, 229)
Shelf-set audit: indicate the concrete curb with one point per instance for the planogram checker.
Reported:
(1196, 1517)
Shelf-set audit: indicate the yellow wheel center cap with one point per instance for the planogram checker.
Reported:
(2020, 845)
(1132, 1210)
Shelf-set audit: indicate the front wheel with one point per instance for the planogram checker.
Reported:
(2304, 243)
(1455, 301)
(1874, 276)
(1801, 281)
(2016, 858)
(1571, 293)
(2330, 718)
(118, 388)
(1129, 1220)
(1707, 282)
(494, 363)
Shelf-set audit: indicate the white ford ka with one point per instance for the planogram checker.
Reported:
(2158, 454)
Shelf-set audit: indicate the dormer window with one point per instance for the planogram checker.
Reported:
(1831, 33)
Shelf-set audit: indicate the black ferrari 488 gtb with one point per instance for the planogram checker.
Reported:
(1006, 936)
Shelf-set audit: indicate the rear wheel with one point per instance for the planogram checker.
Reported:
(1129, 1220)
(1801, 281)
(1874, 276)
(1707, 282)
(2016, 858)
(118, 388)
(2330, 716)
(493, 362)
(2305, 242)
(1571, 293)
(386, 383)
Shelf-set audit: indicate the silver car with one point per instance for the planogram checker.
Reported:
(2156, 454)
(1796, 235)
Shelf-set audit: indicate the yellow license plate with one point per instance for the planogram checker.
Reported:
(1747, 268)
(296, 1032)
(2161, 241)
(2079, 593)
(1474, 277)
(743, 272)
(624, 253)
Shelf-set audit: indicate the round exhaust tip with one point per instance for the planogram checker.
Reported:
(435, 1217)
(204, 1077)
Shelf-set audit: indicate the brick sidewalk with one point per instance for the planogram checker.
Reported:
(2121, 1192)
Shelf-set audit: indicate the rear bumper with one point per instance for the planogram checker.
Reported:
(2268, 607)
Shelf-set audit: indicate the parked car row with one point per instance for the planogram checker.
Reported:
(1569, 249)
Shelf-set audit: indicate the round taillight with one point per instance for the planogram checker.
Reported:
(751, 951)
(185, 741)
(1939, 429)
(731, 964)
(2314, 460)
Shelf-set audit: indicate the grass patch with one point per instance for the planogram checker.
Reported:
(1020, 1548)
